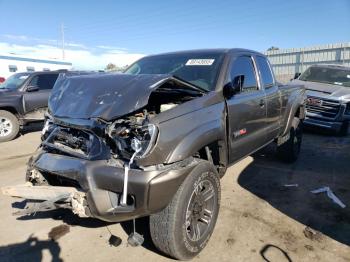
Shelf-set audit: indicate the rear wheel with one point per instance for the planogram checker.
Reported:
(9, 126)
(289, 151)
(184, 227)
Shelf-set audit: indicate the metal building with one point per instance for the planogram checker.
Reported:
(287, 62)
(10, 64)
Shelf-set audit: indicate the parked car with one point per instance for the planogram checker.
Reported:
(328, 96)
(23, 99)
(156, 140)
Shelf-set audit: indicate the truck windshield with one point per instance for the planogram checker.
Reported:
(200, 68)
(14, 81)
(326, 75)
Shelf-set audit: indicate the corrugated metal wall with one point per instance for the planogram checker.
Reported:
(287, 62)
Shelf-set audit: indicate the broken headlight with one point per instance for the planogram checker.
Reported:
(130, 138)
(47, 129)
(145, 141)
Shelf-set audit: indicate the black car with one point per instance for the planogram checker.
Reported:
(23, 99)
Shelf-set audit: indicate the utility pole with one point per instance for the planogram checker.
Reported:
(62, 35)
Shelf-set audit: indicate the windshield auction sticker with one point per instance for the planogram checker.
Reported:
(200, 62)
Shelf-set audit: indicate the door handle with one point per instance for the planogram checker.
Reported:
(262, 103)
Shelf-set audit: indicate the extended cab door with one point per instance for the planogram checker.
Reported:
(246, 110)
(37, 95)
(273, 97)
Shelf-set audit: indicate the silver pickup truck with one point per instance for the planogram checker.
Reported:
(328, 96)
(155, 141)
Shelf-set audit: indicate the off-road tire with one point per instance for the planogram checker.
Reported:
(168, 228)
(14, 125)
(343, 131)
(289, 151)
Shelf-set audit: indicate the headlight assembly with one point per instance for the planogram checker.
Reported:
(130, 138)
(145, 140)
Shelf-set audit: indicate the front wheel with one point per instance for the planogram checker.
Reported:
(289, 151)
(184, 227)
(9, 126)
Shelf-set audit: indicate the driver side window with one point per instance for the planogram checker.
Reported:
(243, 69)
(44, 82)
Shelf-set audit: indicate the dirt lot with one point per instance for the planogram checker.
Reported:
(260, 219)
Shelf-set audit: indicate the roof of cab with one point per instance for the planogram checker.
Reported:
(209, 50)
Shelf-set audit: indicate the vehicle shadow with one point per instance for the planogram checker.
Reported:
(30, 250)
(142, 227)
(324, 161)
(67, 217)
(64, 215)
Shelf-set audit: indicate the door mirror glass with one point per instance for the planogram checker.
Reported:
(32, 88)
(237, 83)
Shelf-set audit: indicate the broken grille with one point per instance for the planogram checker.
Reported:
(74, 142)
(322, 107)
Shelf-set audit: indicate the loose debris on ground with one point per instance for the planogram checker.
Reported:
(59, 231)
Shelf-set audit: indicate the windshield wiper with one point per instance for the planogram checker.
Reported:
(193, 86)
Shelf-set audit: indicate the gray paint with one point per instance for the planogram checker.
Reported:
(183, 130)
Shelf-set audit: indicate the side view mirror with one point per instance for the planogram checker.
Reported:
(32, 88)
(296, 75)
(234, 87)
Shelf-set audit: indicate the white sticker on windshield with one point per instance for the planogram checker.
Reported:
(23, 77)
(347, 76)
(200, 62)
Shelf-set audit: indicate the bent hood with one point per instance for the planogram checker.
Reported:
(325, 90)
(106, 96)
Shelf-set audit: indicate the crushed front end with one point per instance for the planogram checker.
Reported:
(90, 165)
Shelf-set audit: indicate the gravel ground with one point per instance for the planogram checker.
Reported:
(260, 218)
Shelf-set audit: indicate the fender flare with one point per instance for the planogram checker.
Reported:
(293, 110)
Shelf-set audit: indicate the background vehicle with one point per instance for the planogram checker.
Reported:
(156, 140)
(23, 99)
(328, 96)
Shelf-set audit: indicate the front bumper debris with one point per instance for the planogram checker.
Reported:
(95, 188)
(51, 197)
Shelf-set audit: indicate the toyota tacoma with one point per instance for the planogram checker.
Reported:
(155, 140)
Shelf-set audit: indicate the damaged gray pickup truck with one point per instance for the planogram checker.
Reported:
(155, 140)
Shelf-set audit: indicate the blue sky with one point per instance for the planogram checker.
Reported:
(125, 30)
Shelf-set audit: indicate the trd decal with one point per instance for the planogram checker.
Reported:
(239, 132)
